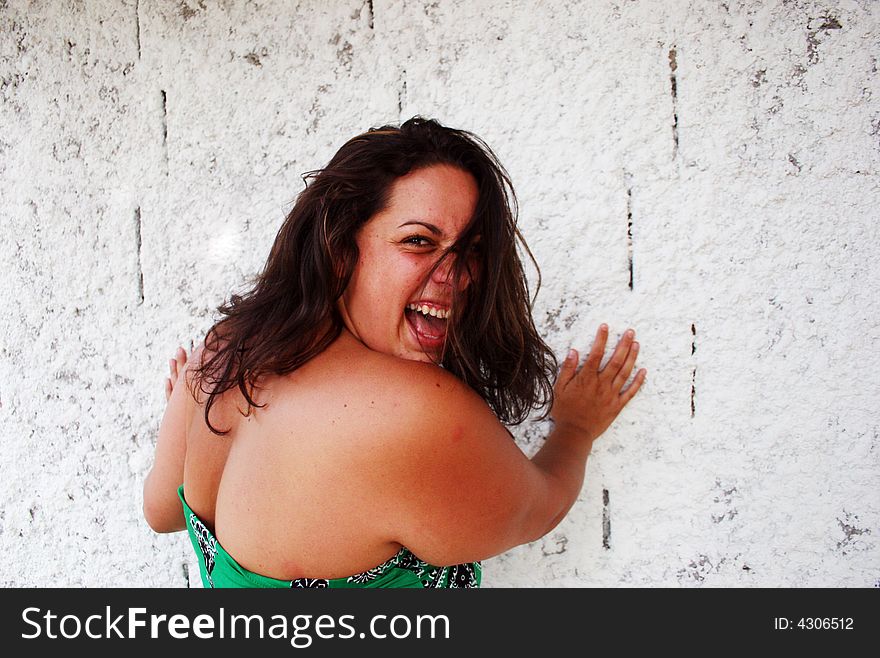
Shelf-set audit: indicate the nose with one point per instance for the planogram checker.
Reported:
(444, 273)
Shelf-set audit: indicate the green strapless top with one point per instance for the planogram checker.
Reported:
(219, 569)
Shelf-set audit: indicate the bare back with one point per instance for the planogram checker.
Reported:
(287, 491)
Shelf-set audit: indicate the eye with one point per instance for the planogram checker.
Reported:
(418, 241)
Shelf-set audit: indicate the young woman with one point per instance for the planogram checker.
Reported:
(343, 423)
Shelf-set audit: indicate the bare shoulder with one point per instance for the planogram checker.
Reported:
(423, 393)
(385, 382)
(460, 487)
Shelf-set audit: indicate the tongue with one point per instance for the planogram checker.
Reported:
(429, 326)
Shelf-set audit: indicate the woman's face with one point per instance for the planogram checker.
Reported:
(393, 303)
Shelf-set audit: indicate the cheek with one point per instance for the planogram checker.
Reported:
(387, 285)
(369, 276)
(411, 272)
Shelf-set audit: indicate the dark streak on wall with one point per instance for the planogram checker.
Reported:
(140, 271)
(629, 223)
(370, 12)
(673, 67)
(401, 95)
(137, 22)
(186, 574)
(165, 127)
(694, 371)
(606, 521)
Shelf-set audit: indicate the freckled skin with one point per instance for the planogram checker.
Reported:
(393, 270)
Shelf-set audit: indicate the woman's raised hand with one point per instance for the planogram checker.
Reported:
(175, 366)
(588, 399)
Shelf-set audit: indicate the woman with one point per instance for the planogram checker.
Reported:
(343, 423)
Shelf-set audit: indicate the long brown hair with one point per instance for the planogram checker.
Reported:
(290, 314)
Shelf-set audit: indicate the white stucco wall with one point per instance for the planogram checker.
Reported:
(725, 153)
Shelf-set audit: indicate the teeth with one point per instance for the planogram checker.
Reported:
(424, 309)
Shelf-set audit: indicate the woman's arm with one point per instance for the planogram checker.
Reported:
(586, 403)
(461, 489)
(162, 508)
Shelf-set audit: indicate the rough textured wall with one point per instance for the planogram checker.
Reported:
(704, 171)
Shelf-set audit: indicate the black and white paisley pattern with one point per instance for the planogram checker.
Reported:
(463, 575)
(372, 574)
(436, 577)
(366, 576)
(406, 560)
(459, 575)
(309, 583)
(423, 571)
(207, 544)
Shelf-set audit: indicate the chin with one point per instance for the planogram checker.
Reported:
(417, 355)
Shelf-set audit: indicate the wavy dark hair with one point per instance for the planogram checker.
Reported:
(291, 314)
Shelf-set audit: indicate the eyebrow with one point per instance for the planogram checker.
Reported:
(431, 227)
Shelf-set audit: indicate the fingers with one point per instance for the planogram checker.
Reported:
(568, 370)
(628, 394)
(618, 368)
(615, 363)
(178, 362)
(626, 368)
(594, 358)
(175, 367)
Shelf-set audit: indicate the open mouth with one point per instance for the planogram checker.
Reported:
(428, 322)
